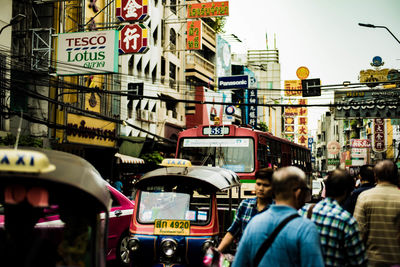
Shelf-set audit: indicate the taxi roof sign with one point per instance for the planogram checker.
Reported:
(26, 161)
(176, 163)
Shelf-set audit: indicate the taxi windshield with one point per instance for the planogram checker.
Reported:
(173, 206)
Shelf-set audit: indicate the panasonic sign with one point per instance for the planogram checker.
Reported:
(237, 81)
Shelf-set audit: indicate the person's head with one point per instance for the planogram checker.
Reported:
(263, 183)
(289, 185)
(339, 184)
(367, 174)
(386, 171)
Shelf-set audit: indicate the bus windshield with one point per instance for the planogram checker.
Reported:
(236, 154)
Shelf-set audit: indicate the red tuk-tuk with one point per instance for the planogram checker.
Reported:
(176, 218)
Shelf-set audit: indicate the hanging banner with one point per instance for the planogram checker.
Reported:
(133, 38)
(193, 38)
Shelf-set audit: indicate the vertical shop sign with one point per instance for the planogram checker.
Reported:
(252, 94)
(132, 10)
(193, 38)
(133, 38)
(379, 139)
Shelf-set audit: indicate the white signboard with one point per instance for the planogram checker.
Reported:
(87, 52)
(216, 142)
(358, 152)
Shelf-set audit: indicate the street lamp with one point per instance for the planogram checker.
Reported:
(17, 19)
(374, 26)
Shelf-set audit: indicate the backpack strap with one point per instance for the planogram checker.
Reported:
(267, 243)
(309, 211)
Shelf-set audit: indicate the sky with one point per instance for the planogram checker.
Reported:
(322, 35)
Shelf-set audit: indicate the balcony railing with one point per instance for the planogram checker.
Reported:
(200, 64)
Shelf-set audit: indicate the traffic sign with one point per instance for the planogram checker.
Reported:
(311, 87)
(133, 39)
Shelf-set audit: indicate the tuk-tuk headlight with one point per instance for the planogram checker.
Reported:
(206, 245)
(169, 247)
(133, 244)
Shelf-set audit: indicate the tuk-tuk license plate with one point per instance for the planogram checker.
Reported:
(171, 227)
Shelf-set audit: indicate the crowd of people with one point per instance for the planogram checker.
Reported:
(350, 226)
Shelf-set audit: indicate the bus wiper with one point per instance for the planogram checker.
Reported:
(206, 158)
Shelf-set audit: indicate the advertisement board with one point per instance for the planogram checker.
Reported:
(235, 81)
(379, 103)
(292, 88)
(92, 52)
(210, 9)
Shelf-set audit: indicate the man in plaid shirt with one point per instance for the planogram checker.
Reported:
(340, 236)
(248, 208)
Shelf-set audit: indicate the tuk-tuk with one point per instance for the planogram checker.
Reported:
(39, 185)
(176, 218)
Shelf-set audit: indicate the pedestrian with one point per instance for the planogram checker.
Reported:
(248, 208)
(339, 232)
(118, 185)
(367, 181)
(378, 214)
(297, 244)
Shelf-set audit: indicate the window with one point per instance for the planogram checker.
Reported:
(172, 39)
(155, 36)
(173, 6)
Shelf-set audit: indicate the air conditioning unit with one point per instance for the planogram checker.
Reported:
(143, 115)
(152, 116)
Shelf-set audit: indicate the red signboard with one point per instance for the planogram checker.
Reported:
(133, 39)
(193, 38)
(133, 10)
(210, 9)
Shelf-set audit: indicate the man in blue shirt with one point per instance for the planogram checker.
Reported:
(248, 208)
(298, 242)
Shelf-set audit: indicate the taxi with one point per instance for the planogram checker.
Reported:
(175, 219)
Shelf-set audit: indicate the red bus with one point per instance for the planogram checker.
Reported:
(241, 149)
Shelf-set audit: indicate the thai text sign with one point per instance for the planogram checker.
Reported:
(193, 38)
(210, 9)
(133, 39)
(132, 10)
(379, 103)
(86, 130)
(87, 52)
(373, 75)
(293, 88)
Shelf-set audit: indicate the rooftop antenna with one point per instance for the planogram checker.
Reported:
(18, 132)
(274, 41)
(266, 39)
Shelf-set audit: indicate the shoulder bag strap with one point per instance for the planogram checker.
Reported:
(267, 243)
(309, 211)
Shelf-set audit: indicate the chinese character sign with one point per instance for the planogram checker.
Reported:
(132, 10)
(379, 136)
(193, 38)
(252, 96)
(133, 39)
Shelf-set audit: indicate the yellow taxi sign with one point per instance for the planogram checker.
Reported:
(176, 163)
(24, 161)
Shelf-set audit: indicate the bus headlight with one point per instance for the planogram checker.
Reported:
(169, 247)
(206, 245)
(133, 244)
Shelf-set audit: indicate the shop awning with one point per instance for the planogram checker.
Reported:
(128, 159)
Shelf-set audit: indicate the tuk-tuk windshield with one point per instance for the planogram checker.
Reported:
(172, 206)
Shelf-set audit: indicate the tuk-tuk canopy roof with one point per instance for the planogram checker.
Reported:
(55, 167)
(212, 178)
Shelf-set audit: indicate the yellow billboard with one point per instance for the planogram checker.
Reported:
(90, 131)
